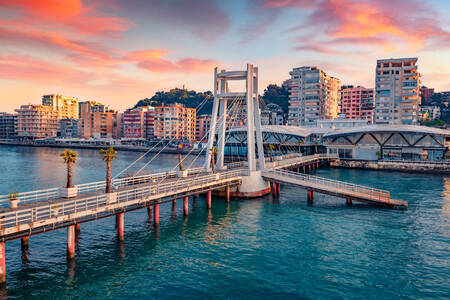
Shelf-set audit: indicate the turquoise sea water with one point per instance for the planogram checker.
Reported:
(261, 248)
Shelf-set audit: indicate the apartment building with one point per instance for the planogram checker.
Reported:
(8, 124)
(397, 93)
(92, 106)
(65, 106)
(426, 94)
(149, 124)
(313, 95)
(68, 128)
(357, 102)
(98, 125)
(174, 122)
(37, 121)
(203, 124)
(133, 122)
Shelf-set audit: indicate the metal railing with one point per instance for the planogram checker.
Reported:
(79, 207)
(336, 185)
(54, 193)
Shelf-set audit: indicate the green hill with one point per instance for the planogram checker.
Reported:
(188, 98)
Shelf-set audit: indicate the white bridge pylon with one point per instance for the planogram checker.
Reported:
(222, 96)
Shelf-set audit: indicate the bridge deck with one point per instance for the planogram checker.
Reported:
(52, 214)
(335, 188)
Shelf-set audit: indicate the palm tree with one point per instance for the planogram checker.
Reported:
(271, 148)
(70, 157)
(213, 158)
(108, 156)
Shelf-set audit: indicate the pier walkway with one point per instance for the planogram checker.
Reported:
(349, 191)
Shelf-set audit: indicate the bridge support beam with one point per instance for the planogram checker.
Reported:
(156, 214)
(77, 229)
(227, 193)
(309, 167)
(310, 196)
(304, 169)
(24, 243)
(120, 225)
(2, 263)
(71, 242)
(174, 205)
(348, 201)
(208, 199)
(149, 211)
(186, 205)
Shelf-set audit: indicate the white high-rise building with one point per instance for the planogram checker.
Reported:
(313, 95)
(397, 91)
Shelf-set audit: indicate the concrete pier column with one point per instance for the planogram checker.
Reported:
(227, 193)
(348, 201)
(186, 205)
(120, 225)
(24, 242)
(71, 242)
(304, 169)
(2, 263)
(309, 167)
(310, 194)
(149, 211)
(174, 205)
(156, 215)
(208, 199)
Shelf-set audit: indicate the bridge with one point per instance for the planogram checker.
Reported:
(35, 212)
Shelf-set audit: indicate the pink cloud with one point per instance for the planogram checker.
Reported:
(71, 14)
(392, 24)
(154, 61)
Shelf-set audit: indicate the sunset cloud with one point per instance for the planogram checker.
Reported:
(154, 61)
(393, 24)
(71, 14)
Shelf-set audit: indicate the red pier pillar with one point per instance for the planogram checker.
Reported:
(149, 211)
(174, 205)
(77, 228)
(278, 188)
(24, 242)
(186, 205)
(208, 199)
(310, 195)
(304, 169)
(227, 192)
(348, 201)
(120, 225)
(156, 214)
(71, 242)
(2, 263)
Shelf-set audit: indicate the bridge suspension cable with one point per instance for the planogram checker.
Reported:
(199, 106)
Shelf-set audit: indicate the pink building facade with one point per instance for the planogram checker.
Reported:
(358, 103)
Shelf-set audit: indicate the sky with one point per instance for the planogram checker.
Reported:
(120, 51)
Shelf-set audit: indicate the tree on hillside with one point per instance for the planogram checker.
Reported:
(187, 98)
(277, 95)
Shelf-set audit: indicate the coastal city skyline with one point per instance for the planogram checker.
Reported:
(113, 53)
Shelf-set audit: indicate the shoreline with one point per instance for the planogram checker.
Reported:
(117, 147)
(398, 166)
(395, 166)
